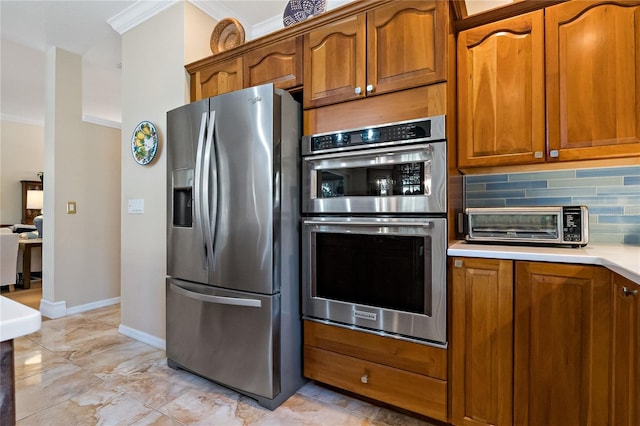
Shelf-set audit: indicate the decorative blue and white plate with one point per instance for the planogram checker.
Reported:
(301, 10)
(144, 142)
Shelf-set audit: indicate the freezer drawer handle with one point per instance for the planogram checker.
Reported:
(237, 301)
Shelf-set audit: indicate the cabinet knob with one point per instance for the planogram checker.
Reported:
(358, 90)
(628, 292)
(369, 88)
(538, 154)
(364, 378)
(554, 153)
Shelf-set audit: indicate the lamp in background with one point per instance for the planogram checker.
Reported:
(35, 202)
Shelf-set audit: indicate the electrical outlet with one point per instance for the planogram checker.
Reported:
(71, 207)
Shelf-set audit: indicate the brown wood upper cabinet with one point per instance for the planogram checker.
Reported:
(216, 78)
(593, 79)
(579, 60)
(501, 92)
(279, 63)
(396, 46)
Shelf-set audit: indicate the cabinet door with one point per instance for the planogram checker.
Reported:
(593, 79)
(501, 92)
(279, 63)
(482, 342)
(406, 44)
(625, 353)
(561, 353)
(334, 62)
(216, 78)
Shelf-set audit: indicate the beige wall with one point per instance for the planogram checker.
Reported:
(154, 81)
(82, 164)
(21, 158)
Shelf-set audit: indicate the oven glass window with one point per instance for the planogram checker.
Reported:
(375, 270)
(372, 180)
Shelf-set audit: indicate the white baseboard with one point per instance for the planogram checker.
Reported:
(143, 337)
(93, 305)
(55, 310)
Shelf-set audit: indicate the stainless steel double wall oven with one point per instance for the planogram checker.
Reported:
(374, 235)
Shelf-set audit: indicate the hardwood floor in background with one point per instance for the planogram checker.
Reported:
(30, 297)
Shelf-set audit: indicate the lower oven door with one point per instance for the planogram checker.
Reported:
(382, 274)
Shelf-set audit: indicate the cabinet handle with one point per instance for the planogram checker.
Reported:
(369, 88)
(628, 292)
(554, 153)
(537, 154)
(358, 90)
(364, 378)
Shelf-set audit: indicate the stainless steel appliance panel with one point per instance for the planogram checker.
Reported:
(227, 336)
(186, 240)
(243, 195)
(418, 313)
(394, 179)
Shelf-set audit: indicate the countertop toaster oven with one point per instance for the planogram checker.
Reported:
(562, 225)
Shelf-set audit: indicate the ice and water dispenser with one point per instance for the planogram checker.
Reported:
(183, 198)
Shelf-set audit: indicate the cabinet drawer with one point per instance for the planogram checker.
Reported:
(421, 359)
(414, 392)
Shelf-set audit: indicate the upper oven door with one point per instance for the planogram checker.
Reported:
(393, 179)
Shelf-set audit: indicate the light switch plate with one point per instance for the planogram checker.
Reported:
(71, 207)
(135, 206)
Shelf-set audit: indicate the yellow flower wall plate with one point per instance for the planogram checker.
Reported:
(144, 142)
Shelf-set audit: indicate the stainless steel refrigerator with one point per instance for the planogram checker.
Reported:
(232, 242)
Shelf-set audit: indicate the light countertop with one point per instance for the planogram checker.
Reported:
(17, 319)
(622, 259)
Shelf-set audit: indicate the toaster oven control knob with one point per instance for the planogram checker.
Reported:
(365, 378)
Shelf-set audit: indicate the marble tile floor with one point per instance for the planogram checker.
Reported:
(78, 370)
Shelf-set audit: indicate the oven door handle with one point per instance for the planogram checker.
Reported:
(364, 223)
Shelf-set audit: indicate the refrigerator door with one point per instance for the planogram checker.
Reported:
(243, 189)
(227, 336)
(187, 257)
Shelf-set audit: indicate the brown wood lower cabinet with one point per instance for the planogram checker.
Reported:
(404, 374)
(625, 353)
(538, 343)
(561, 349)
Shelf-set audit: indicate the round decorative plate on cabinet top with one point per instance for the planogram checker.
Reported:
(227, 34)
(301, 10)
(144, 142)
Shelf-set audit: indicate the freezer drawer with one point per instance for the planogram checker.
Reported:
(229, 337)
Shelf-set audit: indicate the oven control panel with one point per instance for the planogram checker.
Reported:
(403, 132)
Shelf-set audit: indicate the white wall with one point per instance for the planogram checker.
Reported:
(154, 81)
(81, 261)
(21, 158)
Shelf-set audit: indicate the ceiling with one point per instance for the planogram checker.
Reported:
(86, 28)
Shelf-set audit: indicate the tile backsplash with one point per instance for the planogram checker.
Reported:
(611, 193)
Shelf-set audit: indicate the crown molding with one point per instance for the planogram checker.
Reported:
(32, 121)
(137, 13)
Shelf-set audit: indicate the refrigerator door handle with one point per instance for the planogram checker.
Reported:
(198, 190)
(209, 204)
(221, 300)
